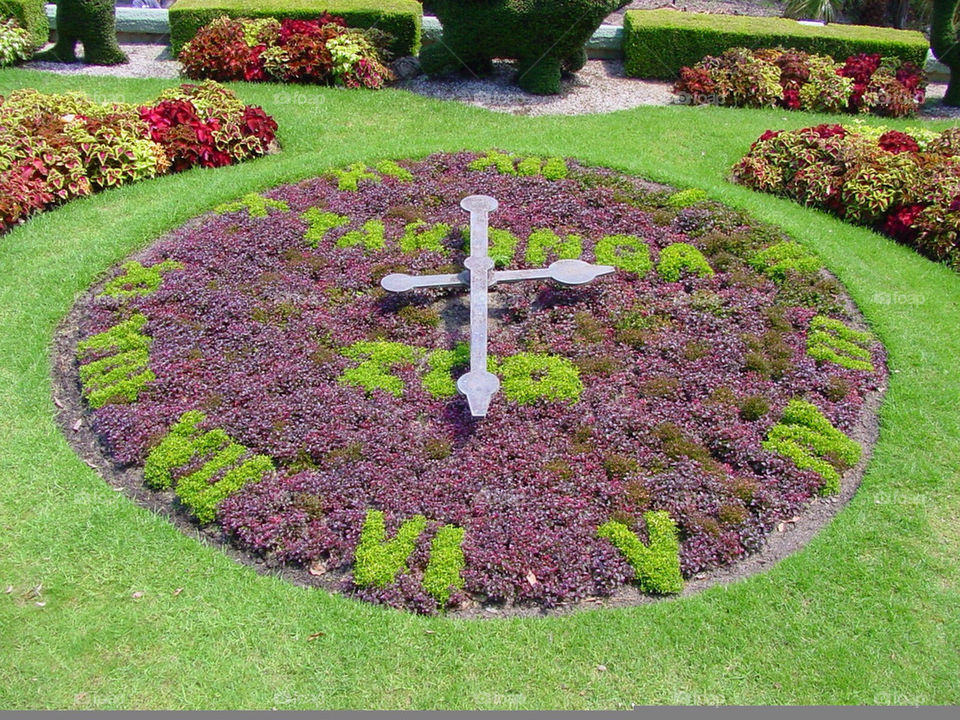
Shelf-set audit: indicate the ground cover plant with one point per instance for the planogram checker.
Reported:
(651, 427)
(57, 147)
(322, 51)
(799, 81)
(904, 184)
(110, 606)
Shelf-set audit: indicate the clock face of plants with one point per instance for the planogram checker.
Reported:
(650, 426)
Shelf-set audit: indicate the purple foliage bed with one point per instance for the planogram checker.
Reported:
(681, 382)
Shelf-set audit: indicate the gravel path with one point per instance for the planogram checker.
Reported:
(717, 7)
(599, 88)
(146, 60)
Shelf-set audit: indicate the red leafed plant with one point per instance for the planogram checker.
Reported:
(54, 148)
(904, 185)
(867, 82)
(897, 142)
(289, 51)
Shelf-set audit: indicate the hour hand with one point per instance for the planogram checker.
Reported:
(401, 282)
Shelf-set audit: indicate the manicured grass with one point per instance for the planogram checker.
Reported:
(867, 613)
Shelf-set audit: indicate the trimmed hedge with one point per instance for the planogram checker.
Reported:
(400, 18)
(31, 15)
(657, 43)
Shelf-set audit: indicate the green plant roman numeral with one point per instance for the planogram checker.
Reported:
(222, 457)
(656, 564)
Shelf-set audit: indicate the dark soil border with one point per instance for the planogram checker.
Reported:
(73, 418)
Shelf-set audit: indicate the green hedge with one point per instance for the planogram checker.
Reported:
(400, 18)
(31, 16)
(657, 43)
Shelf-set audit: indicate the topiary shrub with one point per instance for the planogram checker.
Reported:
(91, 23)
(943, 42)
(543, 36)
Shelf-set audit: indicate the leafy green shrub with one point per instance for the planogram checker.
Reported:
(400, 19)
(528, 377)
(321, 222)
(777, 260)
(138, 280)
(200, 491)
(255, 204)
(658, 43)
(31, 16)
(829, 340)
(656, 564)
(553, 168)
(680, 257)
(377, 357)
(627, 252)
(545, 241)
(119, 371)
(688, 197)
(16, 44)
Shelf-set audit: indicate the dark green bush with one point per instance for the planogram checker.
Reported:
(543, 36)
(399, 18)
(657, 43)
(31, 16)
(91, 23)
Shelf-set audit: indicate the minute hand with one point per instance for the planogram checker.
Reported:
(479, 385)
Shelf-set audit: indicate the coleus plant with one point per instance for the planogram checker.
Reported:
(904, 184)
(865, 83)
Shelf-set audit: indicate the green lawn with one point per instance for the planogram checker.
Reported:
(867, 613)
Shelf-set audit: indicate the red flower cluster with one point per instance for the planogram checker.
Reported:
(905, 186)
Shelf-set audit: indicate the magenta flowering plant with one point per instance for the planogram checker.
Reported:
(314, 416)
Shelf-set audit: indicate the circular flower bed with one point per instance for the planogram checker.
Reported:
(650, 426)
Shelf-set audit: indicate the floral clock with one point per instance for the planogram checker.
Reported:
(248, 371)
